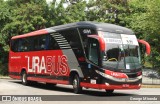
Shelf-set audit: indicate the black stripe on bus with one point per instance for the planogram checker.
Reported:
(48, 76)
(41, 76)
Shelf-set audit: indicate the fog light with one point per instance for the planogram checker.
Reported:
(139, 85)
(107, 84)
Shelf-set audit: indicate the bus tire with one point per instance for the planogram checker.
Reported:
(24, 78)
(76, 85)
(109, 91)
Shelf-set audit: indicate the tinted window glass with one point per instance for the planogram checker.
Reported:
(34, 43)
(84, 32)
(39, 42)
(93, 47)
(14, 45)
(20, 45)
(87, 31)
(24, 45)
(52, 43)
(73, 39)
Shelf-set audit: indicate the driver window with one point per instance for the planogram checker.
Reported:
(93, 47)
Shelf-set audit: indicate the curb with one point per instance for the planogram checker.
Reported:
(4, 77)
(150, 86)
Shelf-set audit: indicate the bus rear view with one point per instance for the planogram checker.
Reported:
(92, 55)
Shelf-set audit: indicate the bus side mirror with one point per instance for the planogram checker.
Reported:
(100, 40)
(102, 44)
(148, 48)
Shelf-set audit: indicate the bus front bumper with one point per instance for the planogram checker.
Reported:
(107, 86)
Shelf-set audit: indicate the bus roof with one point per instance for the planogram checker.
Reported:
(34, 33)
(96, 25)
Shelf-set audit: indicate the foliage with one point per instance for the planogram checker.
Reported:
(153, 24)
(26, 16)
(144, 20)
(59, 14)
(4, 18)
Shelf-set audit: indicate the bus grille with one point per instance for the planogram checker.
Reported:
(132, 75)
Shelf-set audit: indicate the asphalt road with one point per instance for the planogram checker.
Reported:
(63, 93)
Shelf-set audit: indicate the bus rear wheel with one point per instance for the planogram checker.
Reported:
(24, 78)
(109, 91)
(76, 84)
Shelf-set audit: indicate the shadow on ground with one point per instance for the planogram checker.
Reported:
(64, 88)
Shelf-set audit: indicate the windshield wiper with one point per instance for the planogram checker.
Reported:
(119, 56)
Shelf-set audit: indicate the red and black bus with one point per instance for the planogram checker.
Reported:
(83, 54)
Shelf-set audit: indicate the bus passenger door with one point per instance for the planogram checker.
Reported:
(93, 52)
(93, 55)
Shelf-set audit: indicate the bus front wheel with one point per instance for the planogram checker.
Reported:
(76, 84)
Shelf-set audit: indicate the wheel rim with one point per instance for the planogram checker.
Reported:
(74, 83)
(24, 78)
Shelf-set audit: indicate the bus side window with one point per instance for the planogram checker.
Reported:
(84, 32)
(93, 51)
(20, 45)
(14, 45)
(42, 42)
(73, 38)
(23, 45)
(51, 43)
(39, 42)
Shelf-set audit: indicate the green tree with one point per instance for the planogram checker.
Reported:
(109, 11)
(144, 20)
(18, 17)
(97, 10)
(26, 16)
(56, 13)
(5, 17)
(152, 26)
(66, 12)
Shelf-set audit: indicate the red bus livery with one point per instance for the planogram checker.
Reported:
(83, 54)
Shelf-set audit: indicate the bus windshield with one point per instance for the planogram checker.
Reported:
(121, 52)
